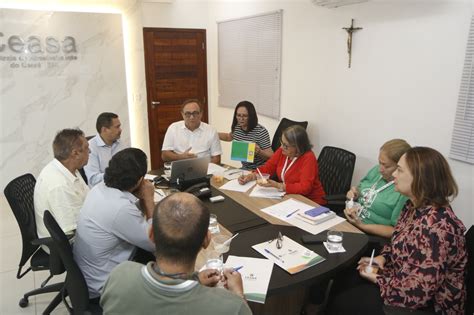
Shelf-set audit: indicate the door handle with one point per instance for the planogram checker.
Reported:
(154, 103)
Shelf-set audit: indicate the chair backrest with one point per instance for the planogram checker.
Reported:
(20, 193)
(75, 283)
(470, 271)
(285, 123)
(336, 167)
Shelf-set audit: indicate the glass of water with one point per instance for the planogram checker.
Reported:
(334, 240)
(213, 224)
(214, 261)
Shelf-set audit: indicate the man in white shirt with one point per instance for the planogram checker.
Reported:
(60, 187)
(190, 137)
(103, 146)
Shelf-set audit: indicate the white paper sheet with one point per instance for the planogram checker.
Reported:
(214, 168)
(285, 211)
(234, 173)
(267, 192)
(234, 185)
(150, 177)
(291, 257)
(256, 274)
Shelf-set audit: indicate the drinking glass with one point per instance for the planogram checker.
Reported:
(220, 244)
(262, 179)
(334, 240)
(213, 224)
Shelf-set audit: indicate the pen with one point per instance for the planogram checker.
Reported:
(238, 268)
(290, 214)
(269, 252)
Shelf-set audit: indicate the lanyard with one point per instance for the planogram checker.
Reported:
(372, 189)
(285, 168)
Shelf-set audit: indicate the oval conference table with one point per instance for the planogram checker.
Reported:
(286, 293)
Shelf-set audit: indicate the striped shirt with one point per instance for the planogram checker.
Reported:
(260, 136)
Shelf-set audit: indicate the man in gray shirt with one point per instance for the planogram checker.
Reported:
(111, 225)
(170, 285)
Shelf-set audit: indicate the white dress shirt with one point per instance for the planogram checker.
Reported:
(60, 192)
(99, 157)
(203, 141)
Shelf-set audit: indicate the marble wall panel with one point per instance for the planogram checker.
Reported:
(57, 70)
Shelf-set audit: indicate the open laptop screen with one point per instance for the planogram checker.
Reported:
(184, 170)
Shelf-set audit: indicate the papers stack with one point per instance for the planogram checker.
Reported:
(316, 215)
(289, 211)
(214, 168)
(267, 192)
(292, 256)
(256, 273)
(234, 185)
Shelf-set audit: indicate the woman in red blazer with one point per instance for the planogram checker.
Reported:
(295, 166)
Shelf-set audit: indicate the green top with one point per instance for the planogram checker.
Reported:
(133, 288)
(385, 208)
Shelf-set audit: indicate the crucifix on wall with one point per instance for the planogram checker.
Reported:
(349, 31)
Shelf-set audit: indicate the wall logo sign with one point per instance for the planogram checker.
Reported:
(37, 52)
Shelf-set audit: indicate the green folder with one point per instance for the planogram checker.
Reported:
(242, 151)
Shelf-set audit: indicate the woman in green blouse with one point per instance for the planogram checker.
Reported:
(380, 204)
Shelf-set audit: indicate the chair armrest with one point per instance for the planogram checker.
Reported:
(56, 266)
(48, 241)
(396, 310)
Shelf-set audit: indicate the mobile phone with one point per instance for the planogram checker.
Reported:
(313, 239)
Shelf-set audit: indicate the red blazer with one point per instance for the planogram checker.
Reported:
(301, 178)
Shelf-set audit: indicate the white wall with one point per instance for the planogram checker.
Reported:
(404, 79)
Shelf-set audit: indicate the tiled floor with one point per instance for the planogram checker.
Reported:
(11, 288)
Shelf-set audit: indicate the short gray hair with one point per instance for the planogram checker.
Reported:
(65, 141)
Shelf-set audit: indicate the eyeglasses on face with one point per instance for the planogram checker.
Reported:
(189, 114)
(242, 116)
(285, 146)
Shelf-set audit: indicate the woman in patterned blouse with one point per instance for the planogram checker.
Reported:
(424, 265)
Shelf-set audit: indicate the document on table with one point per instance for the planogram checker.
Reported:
(158, 195)
(256, 274)
(292, 256)
(266, 192)
(234, 185)
(287, 211)
(234, 173)
(214, 168)
(150, 177)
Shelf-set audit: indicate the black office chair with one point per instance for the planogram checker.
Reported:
(19, 193)
(75, 286)
(470, 271)
(285, 123)
(336, 167)
(81, 170)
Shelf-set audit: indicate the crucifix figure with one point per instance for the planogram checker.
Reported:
(349, 31)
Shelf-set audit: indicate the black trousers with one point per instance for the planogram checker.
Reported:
(351, 294)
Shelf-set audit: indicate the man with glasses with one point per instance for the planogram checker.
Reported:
(190, 137)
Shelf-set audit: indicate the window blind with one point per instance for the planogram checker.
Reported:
(462, 144)
(249, 53)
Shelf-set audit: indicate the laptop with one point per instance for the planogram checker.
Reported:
(189, 169)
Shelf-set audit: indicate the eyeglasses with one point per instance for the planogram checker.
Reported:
(285, 146)
(189, 114)
(242, 116)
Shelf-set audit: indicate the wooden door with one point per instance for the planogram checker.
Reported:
(176, 70)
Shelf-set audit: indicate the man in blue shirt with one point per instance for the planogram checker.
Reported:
(115, 219)
(103, 146)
